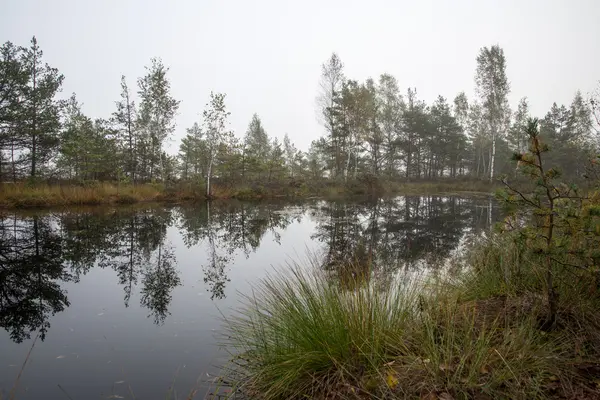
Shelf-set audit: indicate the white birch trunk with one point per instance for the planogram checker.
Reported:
(347, 166)
(493, 157)
(208, 174)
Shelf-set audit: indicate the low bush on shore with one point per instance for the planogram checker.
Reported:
(301, 336)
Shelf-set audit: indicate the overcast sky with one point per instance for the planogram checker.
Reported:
(266, 54)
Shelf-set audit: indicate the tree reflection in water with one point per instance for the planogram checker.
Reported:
(40, 252)
(380, 237)
(229, 228)
(31, 273)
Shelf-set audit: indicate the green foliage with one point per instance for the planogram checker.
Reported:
(29, 110)
(218, 137)
(562, 224)
(124, 119)
(257, 149)
(299, 336)
(88, 148)
(156, 116)
(372, 128)
(567, 131)
(517, 136)
(299, 328)
(493, 88)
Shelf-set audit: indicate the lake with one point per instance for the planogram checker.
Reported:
(126, 302)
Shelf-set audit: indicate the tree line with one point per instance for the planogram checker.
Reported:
(371, 128)
(43, 136)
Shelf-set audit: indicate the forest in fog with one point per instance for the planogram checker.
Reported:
(369, 128)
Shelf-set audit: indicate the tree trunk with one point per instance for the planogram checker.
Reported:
(551, 293)
(490, 223)
(161, 165)
(347, 166)
(185, 169)
(33, 155)
(12, 155)
(34, 120)
(208, 174)
(132, 166)
(151, 160)
(485, 163)
(493, 156)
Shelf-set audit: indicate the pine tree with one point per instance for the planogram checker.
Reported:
(332, 83)
(256, 147)
(291, 154)
(39, 114)
(192, 153)
(276, 161)
(517, 135)
(88, 149)
(580, 120)
(13, 79)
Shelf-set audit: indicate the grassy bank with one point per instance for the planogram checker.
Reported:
(21, 195)
(42, 195)
(476, 336)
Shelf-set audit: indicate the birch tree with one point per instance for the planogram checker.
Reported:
(331, 84)
(157, 111)
(493, 88)
(594, 102)
(372, 135)
(390, 119)
(124, 118)
(215, 129)
(479, 141)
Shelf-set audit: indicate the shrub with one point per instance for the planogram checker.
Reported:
(298, 336)
(563, 229)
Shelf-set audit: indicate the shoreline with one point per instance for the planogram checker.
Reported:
(298, 336)
(18, 196)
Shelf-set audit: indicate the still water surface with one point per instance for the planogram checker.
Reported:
(126, 301)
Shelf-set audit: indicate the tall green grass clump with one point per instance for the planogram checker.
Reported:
(300, 336)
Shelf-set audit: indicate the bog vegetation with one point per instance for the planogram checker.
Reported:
(516, 317)
(376, 137)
